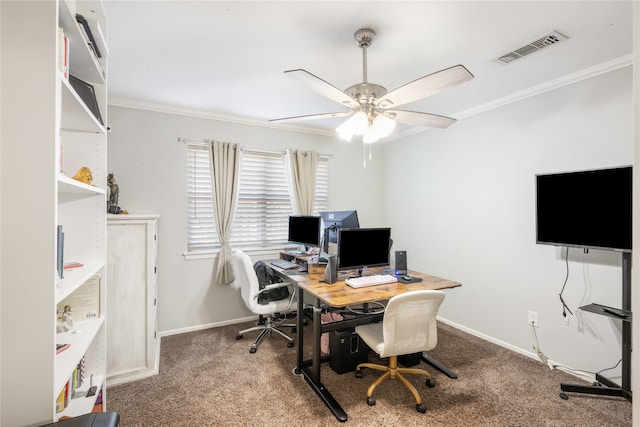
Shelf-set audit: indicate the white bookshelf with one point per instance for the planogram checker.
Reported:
(47, 134)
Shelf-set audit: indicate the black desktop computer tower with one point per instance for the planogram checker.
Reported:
(346, 350)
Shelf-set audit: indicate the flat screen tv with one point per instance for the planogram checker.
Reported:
(305, 230)
(363, 247)
(585, 209)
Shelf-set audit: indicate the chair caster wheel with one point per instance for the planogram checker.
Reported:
(290, 344)
(422, 408)
(358, 373)
(371, 401)
(238, 337)
(564, 396)
(253, 350)
(431, 383)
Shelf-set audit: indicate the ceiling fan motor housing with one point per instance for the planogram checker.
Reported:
(366, 94)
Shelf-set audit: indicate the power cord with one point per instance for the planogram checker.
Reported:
(536, 346)
(565, 307)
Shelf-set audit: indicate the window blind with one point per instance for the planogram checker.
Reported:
(264, 204)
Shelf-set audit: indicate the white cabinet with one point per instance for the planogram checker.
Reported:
(47, 133)
(132, 251)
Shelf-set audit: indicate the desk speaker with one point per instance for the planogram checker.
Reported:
(330, 271)
(401, 262)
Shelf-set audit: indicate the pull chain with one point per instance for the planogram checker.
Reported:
(364, 155)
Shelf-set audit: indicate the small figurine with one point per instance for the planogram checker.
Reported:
(114, 190)
(83, 175)
(65, 321)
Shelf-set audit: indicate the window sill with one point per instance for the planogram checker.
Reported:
(256, 252)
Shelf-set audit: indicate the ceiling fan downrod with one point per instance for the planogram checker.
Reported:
(364, 37)
(365, 93)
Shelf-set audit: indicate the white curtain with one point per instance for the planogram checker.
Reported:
(224, 160)
(301, 167)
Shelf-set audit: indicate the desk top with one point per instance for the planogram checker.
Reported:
(340, 294)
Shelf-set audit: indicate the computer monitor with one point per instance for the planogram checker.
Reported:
(305, 230)
(334, 220)
(363, 247)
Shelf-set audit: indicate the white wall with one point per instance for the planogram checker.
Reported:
(470, 216)
(150, 167)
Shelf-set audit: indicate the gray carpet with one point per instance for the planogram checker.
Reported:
(208, 378)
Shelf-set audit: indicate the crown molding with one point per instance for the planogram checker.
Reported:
(207, 115)
(579, 76)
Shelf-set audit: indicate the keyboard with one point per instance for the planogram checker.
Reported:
(283, 264)
(378, 279)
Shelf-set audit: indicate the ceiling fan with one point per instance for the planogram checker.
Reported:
(373, 109)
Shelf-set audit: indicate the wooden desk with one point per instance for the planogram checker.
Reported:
(340, 295)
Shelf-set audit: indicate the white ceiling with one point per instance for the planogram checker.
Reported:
(226, 58)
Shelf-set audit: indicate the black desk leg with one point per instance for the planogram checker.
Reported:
(311, 373)
(439, 366)
(325, 395)
(300, 332)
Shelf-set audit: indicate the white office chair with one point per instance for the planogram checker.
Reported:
(408, 326)
(247, 281)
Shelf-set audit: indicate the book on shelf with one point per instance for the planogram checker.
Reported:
(80, 372)
(85, 29)
(60, 251)
(60, 406)
(72, 264)
(84, 301)
(61, 347)
(63, 52)
(88, 95)
(97, 407)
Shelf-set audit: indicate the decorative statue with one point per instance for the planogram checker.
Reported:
(83, 175)
(114, 190)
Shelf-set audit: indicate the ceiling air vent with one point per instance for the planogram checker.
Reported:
(533, 46)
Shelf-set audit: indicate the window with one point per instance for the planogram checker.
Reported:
(264, 204)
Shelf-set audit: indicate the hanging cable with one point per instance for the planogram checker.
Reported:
(565, 308)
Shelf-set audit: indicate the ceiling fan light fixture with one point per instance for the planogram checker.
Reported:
(383, 125)
(355, 125)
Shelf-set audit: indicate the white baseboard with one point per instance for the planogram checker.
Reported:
(485, 337)
(551, 364)
(205, 326)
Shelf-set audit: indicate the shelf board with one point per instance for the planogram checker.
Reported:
(601, 309)
(70, 185)
(74, 278)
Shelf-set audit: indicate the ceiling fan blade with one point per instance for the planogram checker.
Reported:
(425, 86)
(420, 119)
(323, 88)
(312, 117)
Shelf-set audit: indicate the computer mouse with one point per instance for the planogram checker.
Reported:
(406, 277)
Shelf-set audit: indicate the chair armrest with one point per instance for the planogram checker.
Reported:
(272, 286)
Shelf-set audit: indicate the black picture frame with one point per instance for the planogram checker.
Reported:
(87, 94)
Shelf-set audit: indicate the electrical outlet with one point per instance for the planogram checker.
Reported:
(533, 318)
